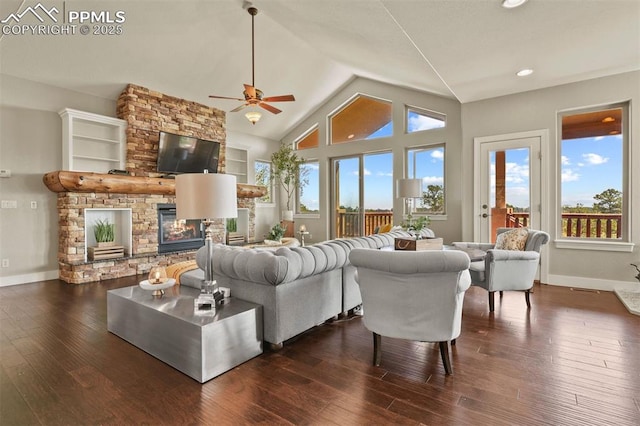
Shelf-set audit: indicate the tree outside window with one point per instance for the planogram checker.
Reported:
(427, 164)
(263, 178)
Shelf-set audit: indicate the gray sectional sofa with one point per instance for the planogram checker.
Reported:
(298, 287)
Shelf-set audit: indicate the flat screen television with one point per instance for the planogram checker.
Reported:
(187, 154)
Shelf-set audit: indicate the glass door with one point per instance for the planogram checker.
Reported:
(362, 194)
(509, 186)
(347, 197)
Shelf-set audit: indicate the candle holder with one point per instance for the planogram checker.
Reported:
(303, 233)
(157, 275)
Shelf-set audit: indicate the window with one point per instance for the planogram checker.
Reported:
(593, 161)
(309, 191)
(308, 140)
(427, 163)
(420, 119)
(362, 118)
(263, 178)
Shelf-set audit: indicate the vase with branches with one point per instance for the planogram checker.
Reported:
(289, 172)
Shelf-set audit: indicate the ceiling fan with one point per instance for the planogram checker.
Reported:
(252, 95)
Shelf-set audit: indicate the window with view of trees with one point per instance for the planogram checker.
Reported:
(427, 164)
(362, 118)
(309, 194)
(593, 164)
(419, 119)
(263, 178)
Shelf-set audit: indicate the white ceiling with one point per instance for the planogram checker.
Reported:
(463, 49)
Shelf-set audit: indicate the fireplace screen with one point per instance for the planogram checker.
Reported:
(176, 235)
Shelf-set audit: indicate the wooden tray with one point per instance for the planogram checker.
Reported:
(100, 253)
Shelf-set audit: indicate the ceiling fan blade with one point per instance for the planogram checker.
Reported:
(281, 98)
(243, 106)
(251, 91)
(225, 97)
(269, 108)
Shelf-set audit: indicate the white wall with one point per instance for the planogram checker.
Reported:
(31, 145)
(537, 110)
(449, 228)
(257, 148)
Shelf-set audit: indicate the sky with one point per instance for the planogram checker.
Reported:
(590, 166)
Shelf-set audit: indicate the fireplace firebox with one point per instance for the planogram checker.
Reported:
(177, 235)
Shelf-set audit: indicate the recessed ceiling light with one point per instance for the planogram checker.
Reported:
(524, 72)
(608, 120)
(510, 4)
(351, 136)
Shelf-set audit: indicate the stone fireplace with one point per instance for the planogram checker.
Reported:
(149, 243)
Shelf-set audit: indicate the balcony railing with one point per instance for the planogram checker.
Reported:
(582, 225)
(348, 223)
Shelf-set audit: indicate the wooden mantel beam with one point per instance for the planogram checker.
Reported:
(67, 181)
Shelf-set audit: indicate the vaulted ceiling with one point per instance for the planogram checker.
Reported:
(463, 49)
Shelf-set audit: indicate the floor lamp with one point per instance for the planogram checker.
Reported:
(207, 196)
(409, 189)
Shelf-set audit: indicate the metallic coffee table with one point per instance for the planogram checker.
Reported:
(201, 346)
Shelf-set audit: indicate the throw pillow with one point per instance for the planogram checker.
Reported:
(385, 228)
(514, 239)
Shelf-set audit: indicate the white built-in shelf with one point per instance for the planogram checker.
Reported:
(236, 161)
(92, 142)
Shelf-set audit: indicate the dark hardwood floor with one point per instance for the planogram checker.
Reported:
(573, 359)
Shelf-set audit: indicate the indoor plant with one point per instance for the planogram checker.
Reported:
(104, 232)
(276, 233)
(289, 174)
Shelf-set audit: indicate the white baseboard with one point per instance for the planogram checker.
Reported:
(591, 283)
(28, 278)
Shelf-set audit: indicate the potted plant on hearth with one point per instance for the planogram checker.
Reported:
(104, 233)
(289, 174)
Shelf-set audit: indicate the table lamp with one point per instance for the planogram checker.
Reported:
(409, 189)
(207, 196)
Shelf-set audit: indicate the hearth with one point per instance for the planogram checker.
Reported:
(177, 235)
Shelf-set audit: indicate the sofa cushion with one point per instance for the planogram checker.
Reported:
(515, 239)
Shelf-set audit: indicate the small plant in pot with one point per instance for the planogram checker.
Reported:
(289, 173)
(276, 233)
(104, 233)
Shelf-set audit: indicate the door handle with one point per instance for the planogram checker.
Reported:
(484, 215)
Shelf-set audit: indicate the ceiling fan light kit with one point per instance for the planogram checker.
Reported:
(252, 95)
(253, 116)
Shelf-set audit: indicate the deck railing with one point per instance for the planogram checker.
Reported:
(348, 223)
(582, 225)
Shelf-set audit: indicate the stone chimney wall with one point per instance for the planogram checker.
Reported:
(148, 112)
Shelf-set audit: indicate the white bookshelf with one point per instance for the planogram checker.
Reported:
(236, 161)
(92, 142)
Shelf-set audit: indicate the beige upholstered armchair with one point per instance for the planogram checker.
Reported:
(412, 295)
(513, 268)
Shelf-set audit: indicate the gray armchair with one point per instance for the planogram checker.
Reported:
(412, 295)
(506, 270)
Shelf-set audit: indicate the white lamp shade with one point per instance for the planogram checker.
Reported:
(409, 188)
(206, 196)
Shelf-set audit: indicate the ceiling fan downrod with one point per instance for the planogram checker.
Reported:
(253, 12)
